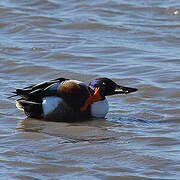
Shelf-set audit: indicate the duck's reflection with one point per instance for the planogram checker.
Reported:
(91, 131)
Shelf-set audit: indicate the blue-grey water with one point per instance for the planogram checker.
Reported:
(137, 44)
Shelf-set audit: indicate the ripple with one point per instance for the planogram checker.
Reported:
(136, 44)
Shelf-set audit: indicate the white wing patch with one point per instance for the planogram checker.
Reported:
(99, 109)
(50, 103)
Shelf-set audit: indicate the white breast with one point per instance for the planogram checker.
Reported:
(99, 109)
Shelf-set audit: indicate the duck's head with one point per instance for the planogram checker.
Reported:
(108, 87)
(101, 87)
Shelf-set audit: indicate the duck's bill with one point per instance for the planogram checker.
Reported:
(124, 90)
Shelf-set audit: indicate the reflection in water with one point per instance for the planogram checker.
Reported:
(95, 130)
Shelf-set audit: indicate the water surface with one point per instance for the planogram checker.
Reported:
(136, 44)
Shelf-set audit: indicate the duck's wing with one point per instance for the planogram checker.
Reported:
(36, 92)
(45, 84)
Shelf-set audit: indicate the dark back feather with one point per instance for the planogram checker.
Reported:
(37, 91)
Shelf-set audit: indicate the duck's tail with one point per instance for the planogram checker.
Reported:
(31, 109)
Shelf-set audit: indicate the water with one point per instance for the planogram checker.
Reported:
(136, 43)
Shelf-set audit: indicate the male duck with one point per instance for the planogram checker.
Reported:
(65, 99)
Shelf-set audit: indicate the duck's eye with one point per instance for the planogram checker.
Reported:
(103, 83)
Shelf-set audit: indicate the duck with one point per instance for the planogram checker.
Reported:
(63, 99)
